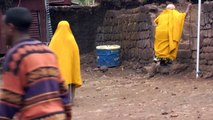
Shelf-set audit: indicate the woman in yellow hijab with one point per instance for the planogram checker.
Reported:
(63, 44)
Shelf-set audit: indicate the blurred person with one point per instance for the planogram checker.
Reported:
(32, 87)
(63, 44)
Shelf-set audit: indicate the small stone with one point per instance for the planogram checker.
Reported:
(184, 54)
(164, 113)
(87, 70)
(178, 68)
(164, 70)
(124, 98)
(98, 89)
(104, 68)
(208, 75)
(206, 2)
(174, 115)
(96, 69)
(141, 70)
(156, 88)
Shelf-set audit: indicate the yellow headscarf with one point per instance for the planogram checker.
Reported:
(63, 44)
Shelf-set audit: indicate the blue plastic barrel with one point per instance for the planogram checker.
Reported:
(108, 55)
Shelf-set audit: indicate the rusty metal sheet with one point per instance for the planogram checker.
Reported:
(35, 27)
(38, 28)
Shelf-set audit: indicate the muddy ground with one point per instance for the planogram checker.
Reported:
(120, 94)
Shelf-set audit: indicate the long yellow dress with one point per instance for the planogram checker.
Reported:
(63, 44)
(168, 33)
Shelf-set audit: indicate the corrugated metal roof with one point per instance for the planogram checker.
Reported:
(35, 27)
(38, 28)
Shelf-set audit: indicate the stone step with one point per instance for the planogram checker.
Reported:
(185, 54)
(185, 36)
(184, 45)
(184, 61)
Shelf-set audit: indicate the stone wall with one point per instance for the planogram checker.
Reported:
(91, 26)
(206, 53)
(189, 36)
(131, 29)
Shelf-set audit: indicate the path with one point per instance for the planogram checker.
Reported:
(120, 95)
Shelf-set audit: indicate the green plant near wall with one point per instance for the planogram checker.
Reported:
(85, 2)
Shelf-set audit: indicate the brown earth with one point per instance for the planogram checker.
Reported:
(120, 94)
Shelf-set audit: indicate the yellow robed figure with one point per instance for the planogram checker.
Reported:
(168, 33)
(63, 44)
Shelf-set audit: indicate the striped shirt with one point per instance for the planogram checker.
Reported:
(32, 88)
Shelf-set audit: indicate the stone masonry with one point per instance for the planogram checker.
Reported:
(206, 53)
(131, 29)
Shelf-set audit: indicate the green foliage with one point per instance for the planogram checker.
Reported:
(85, 2)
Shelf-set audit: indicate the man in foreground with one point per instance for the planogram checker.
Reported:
(32, 88)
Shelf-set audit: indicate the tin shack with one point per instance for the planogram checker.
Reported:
(40, 26)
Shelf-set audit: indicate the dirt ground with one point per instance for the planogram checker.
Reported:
(124, 95)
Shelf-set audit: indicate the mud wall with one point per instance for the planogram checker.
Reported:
(132, 30)
(206, 53)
